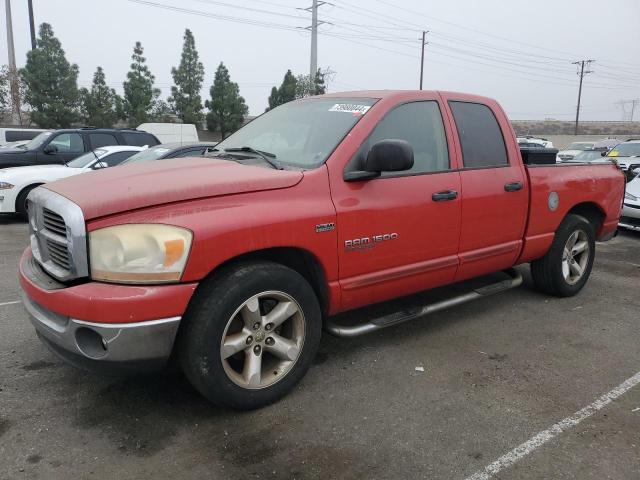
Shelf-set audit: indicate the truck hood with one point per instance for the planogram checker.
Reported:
(11, 150)
(139, 185)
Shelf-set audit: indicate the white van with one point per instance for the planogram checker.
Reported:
(17, 134)
(172, 132)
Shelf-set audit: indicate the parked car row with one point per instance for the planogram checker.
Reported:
(17, 182)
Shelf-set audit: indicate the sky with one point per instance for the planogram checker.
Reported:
(518, 52)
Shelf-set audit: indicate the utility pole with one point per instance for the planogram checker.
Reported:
(424, 34)
(582, 73)
(32, 26)
(313, 64)
(13, 72)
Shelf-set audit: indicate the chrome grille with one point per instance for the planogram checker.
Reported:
(58, 236)
(54, 222)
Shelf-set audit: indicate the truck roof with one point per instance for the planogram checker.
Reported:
(391, 94)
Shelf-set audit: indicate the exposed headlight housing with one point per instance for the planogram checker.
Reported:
(139, 253)
(5, 186)
(628, 196)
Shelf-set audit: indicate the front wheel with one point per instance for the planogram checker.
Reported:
(566, 267)
(250, 334)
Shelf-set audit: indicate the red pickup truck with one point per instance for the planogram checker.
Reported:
(233, 264)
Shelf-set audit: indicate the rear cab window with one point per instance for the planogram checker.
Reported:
(98, 140)
(139, 139)
(480, 135)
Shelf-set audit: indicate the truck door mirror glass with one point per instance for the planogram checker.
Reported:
(389, 156)
(99, 165)
(50, 149)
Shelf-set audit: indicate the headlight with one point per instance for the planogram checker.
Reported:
(139, 253)
(5, 186)
(628, 196)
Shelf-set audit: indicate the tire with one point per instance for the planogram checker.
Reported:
(224, 310)
(21, 201)
(550, 272)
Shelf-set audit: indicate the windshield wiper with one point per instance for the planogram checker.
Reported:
(266, 156)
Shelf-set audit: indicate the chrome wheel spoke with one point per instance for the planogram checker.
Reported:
(576, 269)
(233, 344)
(283, 348)
(580, 247)
(250, 312)
(281, 312)
(572, 240)
(252, 371)
(565, 269)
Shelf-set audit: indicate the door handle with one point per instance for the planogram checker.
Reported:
(444, 196)
(513, 186)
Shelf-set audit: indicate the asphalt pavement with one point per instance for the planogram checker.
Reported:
(507, 387)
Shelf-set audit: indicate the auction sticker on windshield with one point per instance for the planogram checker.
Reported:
(350, 108)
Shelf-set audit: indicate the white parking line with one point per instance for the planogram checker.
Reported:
(543, 437)
(9, 303)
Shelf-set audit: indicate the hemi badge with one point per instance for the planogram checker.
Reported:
(325, 227)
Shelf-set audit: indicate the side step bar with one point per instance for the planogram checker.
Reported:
(333, 328)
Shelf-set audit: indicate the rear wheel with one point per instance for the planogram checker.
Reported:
(566, 267)
(250, 334)
(21, 201)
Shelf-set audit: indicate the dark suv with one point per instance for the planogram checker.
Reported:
(61, 146)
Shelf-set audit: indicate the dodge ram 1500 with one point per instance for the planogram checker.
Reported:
(235, 263)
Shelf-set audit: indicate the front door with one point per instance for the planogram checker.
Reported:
(68, 146)
(399, 233)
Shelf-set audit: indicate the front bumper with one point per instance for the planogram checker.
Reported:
(99, 340)
(630, 217)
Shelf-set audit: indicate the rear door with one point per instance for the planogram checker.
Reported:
(493, 187)
(398, 233)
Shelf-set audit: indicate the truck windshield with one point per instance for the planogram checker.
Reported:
(37, 141)
(300, 134)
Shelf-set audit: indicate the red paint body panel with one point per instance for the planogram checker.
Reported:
(107, 303)
(146, 184)
(237, 209)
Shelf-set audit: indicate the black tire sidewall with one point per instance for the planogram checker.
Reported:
(21, 201)
(206, 319)
(568, 227)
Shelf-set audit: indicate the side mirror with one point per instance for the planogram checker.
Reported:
(100, 165)
(50, 149)
(390, 155)
(603, 154)
(636, 171)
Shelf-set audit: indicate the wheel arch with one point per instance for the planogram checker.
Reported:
(24, 188)
(298, 259)
(592, 212)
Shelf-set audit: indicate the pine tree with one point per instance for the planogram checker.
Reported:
(305, 86)
(50, 83)
(227, 108)
(139, 94)
(185, 94)
(285, 93)
(98, 105)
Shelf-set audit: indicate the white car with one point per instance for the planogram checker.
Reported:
(534, 142)
(631, 207)
(574, 149)
(17, 182)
